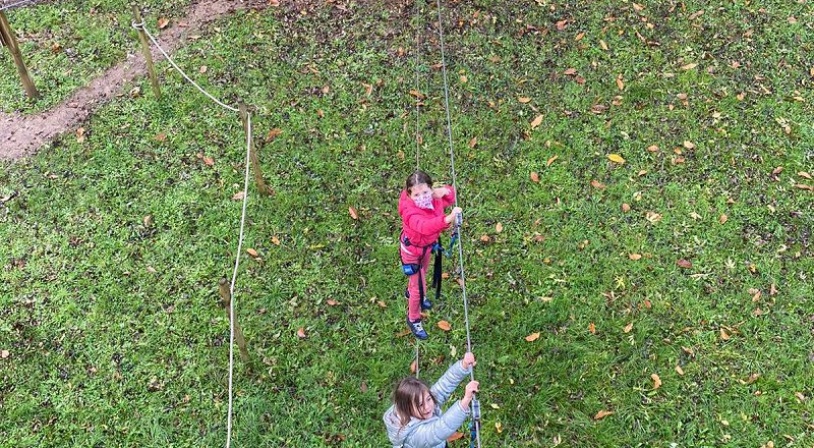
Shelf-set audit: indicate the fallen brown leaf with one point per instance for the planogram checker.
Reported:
(656, 381)
(534, 177)
(684, 264)
(353, 213)
(602, 414)
(444, 325)
(532, 337)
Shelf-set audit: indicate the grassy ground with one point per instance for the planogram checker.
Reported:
(111, 324)
(66, 44)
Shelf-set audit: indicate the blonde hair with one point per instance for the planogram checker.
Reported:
(407, 398)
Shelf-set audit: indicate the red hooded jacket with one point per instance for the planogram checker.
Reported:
(422, 227)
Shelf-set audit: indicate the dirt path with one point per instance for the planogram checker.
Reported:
(22, 135)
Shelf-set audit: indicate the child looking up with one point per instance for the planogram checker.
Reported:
(415, 419)
(422, 215)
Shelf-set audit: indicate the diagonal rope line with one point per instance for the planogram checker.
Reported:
(140, 26)
(247, 163)
(14, 5)
(454, 185)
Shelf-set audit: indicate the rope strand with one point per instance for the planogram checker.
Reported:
(417, 100)
(140, 26)
(458, 221)
(247, 163)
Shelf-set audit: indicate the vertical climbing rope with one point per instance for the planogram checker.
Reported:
(247, 163)
(459, 221)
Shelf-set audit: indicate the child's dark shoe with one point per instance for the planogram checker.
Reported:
(417, 329)
(426, 304)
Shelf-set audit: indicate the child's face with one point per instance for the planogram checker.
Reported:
(426, 406)
(420, 190)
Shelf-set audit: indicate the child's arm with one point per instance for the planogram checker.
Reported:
(432, 226)
(444, 387)
(438, 430)
(446, 194)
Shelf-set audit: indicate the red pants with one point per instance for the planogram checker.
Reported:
(413, 255)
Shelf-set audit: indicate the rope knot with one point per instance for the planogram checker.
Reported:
(138, 26)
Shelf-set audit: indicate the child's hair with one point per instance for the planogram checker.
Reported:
(417, 178)
(407, 398)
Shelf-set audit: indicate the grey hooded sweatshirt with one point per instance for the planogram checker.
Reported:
(434, 431)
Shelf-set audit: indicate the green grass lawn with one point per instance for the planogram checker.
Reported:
(66, 43)
(110, 314)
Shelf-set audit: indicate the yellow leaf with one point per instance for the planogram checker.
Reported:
(498, 227)
(499, 427)
(689, 66)
(656, 381)
(635, 257)
(723, 219)
(653, 148)
(494, 405)
(602, 414)
(275, 240)
(252, 253)
(579, 37)
(463, 79)
(679, 370)
(616, 158)
(724, 335)
(537, 121)
(524, 99)
(551, 160)
(688, 144)
(628, 327)
(804, 174)
(620, 83)
(444, 325)
(603, 45)
(533, 337)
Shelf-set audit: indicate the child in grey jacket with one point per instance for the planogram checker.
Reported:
(415, 419)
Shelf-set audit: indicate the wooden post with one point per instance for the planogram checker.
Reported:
(258, 174)
(145, 48)
(8, 39)
(226, 298)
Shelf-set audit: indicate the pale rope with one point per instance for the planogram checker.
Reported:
(14, 5)
(140, 26)
(454, 185)
(234, 277)
(417, 100)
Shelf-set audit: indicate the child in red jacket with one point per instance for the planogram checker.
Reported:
(422, 215)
